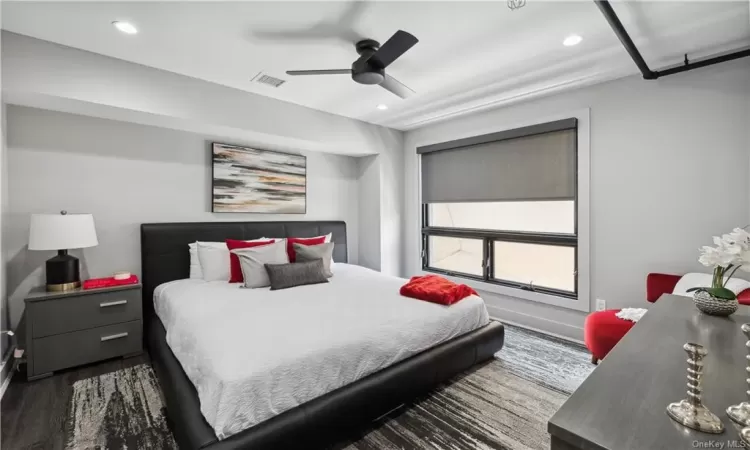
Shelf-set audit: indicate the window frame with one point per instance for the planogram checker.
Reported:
(490, 236)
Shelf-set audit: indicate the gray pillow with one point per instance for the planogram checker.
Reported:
(312, 252)
(252, 262)
(284, 276)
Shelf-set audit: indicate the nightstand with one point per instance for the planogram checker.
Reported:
(71, 328)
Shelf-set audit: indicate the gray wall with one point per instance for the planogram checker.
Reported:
(49, 76)
(369, 211)
(42, 74)
(4, 309)
(669, 169)
(126, 174)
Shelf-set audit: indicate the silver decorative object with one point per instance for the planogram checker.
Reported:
(741, 413)
(515, 4)
(709, 304)
(745, 435)
(691, 412)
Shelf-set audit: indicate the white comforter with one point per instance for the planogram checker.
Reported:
(255, 353)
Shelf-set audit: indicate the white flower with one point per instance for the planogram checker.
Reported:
(741, 238)
(710, 256)
(717, 256)
(730, 249)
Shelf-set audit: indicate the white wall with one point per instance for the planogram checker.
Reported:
(4, 307)
(391, 211)
(127, 174)
(54, 77)
(669, 169)
(46, 75)
(368, 173)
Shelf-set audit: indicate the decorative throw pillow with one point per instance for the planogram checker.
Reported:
(253, 260)
(326, 238)
(235, 271)
(323, 252)
(196, 271)
(307, 241)
(284, 276)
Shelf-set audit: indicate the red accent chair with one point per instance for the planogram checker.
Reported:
(603, 329)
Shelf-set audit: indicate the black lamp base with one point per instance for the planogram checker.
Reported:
(63, 273)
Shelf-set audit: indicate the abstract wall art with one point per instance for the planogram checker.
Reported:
(248, 180)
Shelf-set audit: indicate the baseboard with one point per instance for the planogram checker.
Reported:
(6, 370)
(542, 325)
(549, 333)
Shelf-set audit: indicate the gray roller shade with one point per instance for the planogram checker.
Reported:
(536, 167)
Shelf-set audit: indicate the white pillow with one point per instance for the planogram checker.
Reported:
(216, 271)
(692, 280)
(214, 262)
(195, 265)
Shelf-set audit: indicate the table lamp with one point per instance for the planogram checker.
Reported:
(62, 232)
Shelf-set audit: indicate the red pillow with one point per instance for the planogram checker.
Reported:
(235, 270)
(304, 241)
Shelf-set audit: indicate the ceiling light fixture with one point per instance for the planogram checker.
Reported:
(515, 4)
(572, 40)
(125, 27)
(382, 107)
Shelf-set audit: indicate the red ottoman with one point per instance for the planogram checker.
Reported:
(602, 331)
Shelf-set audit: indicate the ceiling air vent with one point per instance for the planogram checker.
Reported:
(269, 80)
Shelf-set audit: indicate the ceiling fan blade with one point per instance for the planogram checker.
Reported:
(393, 85)
(320, 72)
(394, 47)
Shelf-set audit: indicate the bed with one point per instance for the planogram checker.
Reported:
(366, 350)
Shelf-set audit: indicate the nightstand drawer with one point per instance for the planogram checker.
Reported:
(73, 313)
(82, 347)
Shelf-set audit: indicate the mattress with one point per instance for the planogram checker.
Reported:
(254, 353)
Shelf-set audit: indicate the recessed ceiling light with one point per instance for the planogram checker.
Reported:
(572, 40)
(125, 27)
(382, 107)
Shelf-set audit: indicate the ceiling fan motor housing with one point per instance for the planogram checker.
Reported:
(363, 71)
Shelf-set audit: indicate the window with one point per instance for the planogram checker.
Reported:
(502, 208)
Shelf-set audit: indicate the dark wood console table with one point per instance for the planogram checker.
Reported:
(622, 404)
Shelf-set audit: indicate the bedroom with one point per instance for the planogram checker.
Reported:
(132, 122)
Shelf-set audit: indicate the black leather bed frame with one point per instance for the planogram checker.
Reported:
(317, 423)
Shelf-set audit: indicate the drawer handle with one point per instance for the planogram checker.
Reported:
(114, 336)
(115, 303)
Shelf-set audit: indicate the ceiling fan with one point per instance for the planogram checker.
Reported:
(373, 59)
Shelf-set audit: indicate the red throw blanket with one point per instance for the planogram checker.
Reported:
(436, 289)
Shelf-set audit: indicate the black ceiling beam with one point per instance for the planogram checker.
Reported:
(649, 74)
(624, 37)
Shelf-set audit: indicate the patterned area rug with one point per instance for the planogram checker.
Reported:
(503, 404)
(118, 410)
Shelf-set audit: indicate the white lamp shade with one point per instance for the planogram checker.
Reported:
(61, 231)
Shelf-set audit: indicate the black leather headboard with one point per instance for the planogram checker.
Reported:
(164, 246)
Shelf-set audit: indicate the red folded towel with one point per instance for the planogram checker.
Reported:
(98, 283)
(436, 289)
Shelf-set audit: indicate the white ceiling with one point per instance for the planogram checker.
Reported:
(471, 55)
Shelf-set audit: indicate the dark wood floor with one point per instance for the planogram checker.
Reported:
(33, 414)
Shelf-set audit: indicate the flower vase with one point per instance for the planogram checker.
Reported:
(714, 306)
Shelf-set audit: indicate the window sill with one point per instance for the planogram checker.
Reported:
(579, 304)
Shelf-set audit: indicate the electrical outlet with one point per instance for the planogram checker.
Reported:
(601, 304)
